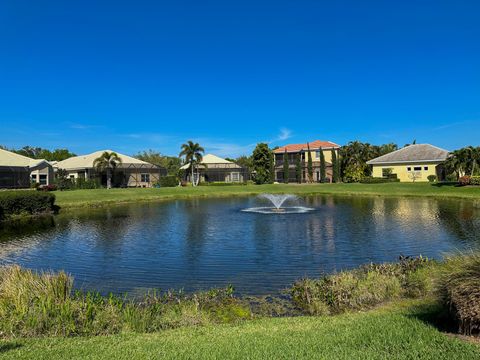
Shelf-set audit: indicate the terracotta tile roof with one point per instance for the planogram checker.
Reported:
(314, 145)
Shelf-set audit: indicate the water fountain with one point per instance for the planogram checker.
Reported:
(278, 201)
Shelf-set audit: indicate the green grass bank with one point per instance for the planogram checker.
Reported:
(400, 331)
(102, 197)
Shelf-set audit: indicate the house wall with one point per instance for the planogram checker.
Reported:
(404, 174)
(44, 170)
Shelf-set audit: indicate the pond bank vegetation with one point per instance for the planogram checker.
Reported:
(46, 304)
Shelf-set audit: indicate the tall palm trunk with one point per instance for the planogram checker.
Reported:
(193, 179)
(109, 178)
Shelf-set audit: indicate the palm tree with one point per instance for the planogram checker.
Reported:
(193, 153)
(107, 162)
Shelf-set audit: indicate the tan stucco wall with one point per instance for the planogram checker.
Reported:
(44, 170)
(402, 171)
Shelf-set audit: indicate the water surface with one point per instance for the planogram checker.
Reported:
(204, 243)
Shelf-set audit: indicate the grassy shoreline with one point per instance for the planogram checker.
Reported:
(395, 331)
(104, 197)
(377, 311)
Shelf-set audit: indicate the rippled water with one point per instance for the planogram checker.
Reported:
(199, 244)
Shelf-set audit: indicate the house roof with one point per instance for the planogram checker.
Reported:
(8, 158)
(213, 160)
(314, 145)
(411, 154)
(86, 161)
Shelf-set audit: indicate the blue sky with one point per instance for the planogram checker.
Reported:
(135, 75)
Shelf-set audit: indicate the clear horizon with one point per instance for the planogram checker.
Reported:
(152, 75)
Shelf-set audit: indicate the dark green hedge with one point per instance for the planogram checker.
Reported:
(374, 180)
(168, 181)
(222, 183)
(25, 202)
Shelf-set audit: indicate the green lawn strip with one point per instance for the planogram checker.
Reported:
(101, 197)
(391, 332)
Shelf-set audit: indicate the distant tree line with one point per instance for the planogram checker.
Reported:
(40, 153)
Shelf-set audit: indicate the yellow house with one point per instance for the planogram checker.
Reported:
(411, 163)
(301, 150)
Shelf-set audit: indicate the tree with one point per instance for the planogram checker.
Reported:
(193, 153)
(323, 167)
(298, 168)
(286, 167)
(262, 159)
(335, 169)
(245, 162)
(171, 163)
(309, 164)
(107, 162)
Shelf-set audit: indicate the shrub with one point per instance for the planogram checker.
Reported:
(460, 290)
(81, 183)
(451, 177)
(475, 180)
(25, 202)
(51, 187)
(222, 183)
(362, 288)
(375, 180)
(39, 304)
(168, 181)
(432, 178)
(464, 180)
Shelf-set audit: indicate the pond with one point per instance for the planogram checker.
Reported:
(204, 243)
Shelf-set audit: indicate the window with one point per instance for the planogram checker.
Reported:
(425, 168)
(145, 177)
(417, 168)
(34, 178)
(409, 168)
(317, 154)
(42, 179)
(235, 177)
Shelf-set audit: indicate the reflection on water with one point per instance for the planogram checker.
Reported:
(198, 244)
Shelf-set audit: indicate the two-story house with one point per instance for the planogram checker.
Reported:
(293, 151)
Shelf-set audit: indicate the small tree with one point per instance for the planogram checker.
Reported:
(107, 162)
(193, 153)
(285, 167)
(262, 163)
(323, 169)
(309, 164)
(298, 168)
(335, 167)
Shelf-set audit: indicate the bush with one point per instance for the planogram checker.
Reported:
(475, 180)
(464, 180)
(52, 187)
(221, 183)
(25, 202)
(460, 290)
(363, 288)
(168, 181)
(376, 180)
(81, 183)
(42, 304)
(432, 178)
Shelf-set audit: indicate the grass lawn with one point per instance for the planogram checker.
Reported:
(392, 332)
(99, 197)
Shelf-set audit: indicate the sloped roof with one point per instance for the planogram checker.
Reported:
(411, 154)
(8, 158)
(86, 161)
(314, 145)
(210, 159)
